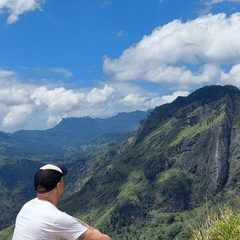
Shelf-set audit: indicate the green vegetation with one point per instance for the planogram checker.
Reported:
(159, 133)
(132, 189)
(190, 132)
(153, 185)
(219, 226)
(7, 233)
(175, 183)
(223, 223)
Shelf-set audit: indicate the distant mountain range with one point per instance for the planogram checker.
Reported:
(71, 134)
(152, 184)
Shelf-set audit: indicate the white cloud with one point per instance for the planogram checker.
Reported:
(18, 116)
(17, 7)
(213, 2)
(181, 54)
(133, 100)
(106, 3)
(14, 96)
(61, 71)
(136, 101)
(34, 107)
(178, 56)
(4, 74)
(232, 76)
(56, 99)
(210, 3)
(120, 33)
(55, 104)
(172, 97)
(99, 95)
(41, 107)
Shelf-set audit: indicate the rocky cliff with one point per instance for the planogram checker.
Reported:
(183, 155)
(199, 135)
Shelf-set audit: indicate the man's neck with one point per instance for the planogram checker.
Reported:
(50, 197)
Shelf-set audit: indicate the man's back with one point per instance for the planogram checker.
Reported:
(41, 220)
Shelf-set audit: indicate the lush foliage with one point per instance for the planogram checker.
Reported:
(221, 225)
(154, 184)
(7, 233)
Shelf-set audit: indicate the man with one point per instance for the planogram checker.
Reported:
(40, 219)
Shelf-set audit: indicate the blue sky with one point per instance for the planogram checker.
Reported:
(74, 58)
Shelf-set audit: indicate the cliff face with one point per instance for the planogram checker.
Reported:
(198, 135)
(205, 148)
(234, 148)
(184, 153)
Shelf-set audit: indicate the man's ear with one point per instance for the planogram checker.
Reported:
(58, 186)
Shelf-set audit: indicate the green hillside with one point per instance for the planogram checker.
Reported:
(23, 152)
(162, 181)
(184, 155)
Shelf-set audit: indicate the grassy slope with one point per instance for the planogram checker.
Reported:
(130, 195)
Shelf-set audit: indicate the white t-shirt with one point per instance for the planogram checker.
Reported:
(41, 220)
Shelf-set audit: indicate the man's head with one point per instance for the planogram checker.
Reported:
(47, 177)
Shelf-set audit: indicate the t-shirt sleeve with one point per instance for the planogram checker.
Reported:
(68, 227)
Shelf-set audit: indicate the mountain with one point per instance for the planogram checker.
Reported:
(186, 153)
(155, 183)
(71, 134)
(22, 152)
(16, 186)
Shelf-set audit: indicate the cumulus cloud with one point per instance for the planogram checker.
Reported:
(28, 106)
(172, 97)
(15, 8)
(24, 106)
(177, 56)
(14, 95)
(137, 101)
(55, 103)
(133, 100)
(56, 99)
(18, 116)
(182, 54)
(99, 95)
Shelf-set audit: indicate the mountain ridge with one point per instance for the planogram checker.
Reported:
(153, 183)
(71, 134)
(178, 159)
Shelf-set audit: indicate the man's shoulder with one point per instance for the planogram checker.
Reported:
(38, 204)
